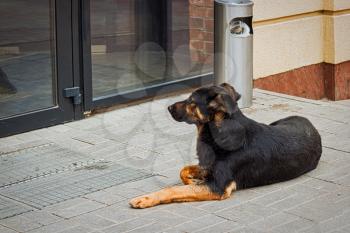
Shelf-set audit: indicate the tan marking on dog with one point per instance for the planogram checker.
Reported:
(189, 110)
(193, 174)
(218, 118)
(200, 115)
(199, 129)
(184, 193)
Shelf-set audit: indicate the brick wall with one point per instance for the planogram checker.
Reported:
(201, 16)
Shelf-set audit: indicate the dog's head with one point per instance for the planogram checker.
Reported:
(206, 104)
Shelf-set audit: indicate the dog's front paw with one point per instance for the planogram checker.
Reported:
(144, 202)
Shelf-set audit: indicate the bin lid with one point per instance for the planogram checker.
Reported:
(235, 2)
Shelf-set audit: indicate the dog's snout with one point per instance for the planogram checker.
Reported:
(171, 108)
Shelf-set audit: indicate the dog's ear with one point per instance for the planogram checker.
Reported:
(223, 103)
(231, 91)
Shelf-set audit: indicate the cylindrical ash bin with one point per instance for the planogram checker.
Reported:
(233, 47)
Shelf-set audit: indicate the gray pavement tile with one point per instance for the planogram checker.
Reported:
(126, 190)
(337, 222)
(56, 227)
(41, 216)
(20, 224)
(117, 213)
(225, 226)
(93, 221)
(293, 226)
(166, 217)
(105, 197)
(195, 224)
(129, 225)
(185, 210)
(274, 221)
(273, 197)
(74, 207)
(237, 198)
(247, 213)
(245, 229)
(4, 229)
(9, 208)
(153, 227)
(324, 207)
(77, 229)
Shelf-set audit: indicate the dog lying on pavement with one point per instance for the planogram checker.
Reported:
(236, 152)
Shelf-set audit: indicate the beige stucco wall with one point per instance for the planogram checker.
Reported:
(336, 5)
(341, 38)
(290, 34)
(270, 9)
(287, 45)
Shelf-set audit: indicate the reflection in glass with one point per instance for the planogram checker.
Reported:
(26, 56)
(137, 43)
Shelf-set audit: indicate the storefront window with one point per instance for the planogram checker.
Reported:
(27, 56)
(140, 43)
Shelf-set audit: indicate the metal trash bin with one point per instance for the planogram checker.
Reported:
(233, 46)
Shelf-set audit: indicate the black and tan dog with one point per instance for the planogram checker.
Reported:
(234, 151)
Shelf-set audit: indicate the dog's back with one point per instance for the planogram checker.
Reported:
(280, 151)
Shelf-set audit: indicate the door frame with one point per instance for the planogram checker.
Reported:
(65, 77)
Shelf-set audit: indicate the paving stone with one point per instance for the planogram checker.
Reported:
(6, 230)
(293, 226)
(165, 217)
(154, 227)
(42, 217)
(237, 198)
(185, 210)
(93, 221)
(20, 224)
(125, 190)
(56, 227)
(74, 207)
(322, 208)
(272, 198)
(338, 222)
(225, 226)
(117, 213)
(274, 221)
(105, 197)
(9, 208)
(129, 225)
(77, 229)
(247, 213)
(195, 224)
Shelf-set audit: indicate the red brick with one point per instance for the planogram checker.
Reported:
(205, 3)
(209, 3)
(197, 44)
(197, 2)
(196, 11)
(209, 25)
(197, 56)
(209, 47)
(196, 23)
(209, 13)
(196, 34)
(208, 36)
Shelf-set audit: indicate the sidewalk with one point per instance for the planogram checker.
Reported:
(78, 177)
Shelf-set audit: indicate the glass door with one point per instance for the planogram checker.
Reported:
(35, 64)
(134, 48)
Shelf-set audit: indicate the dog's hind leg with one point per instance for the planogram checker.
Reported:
(184, 193)
(193, 174)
